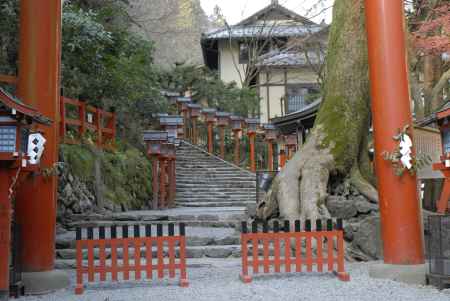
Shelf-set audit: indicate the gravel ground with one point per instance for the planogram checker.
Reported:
(218, 280)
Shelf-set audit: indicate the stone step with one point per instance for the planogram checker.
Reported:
(189, 192)
(211, 170)
(213, 198)
(214, 186)
(191, 252)
(191, 249)
(213, 204)
(205, 198)
(174, 215)
(196, 235)
(194, 180)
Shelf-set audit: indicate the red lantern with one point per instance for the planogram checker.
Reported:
(171, 151)
(182, 103)
(236, 123)
(194, 110)
(252, 124)
(154, 141)
(223, 118)
(271, 131)
(291, 140)
(210, 115)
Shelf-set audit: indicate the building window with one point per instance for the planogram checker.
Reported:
(243, 53)
(298, 97)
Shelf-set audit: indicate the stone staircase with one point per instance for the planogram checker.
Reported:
(204, 180)
(213, 197)
(211, 232)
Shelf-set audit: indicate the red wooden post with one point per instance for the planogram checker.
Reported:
(236, 126)
(252, 125)
(194, 130)
(185, 124)
(222, 141)
(155, 182)
(102, 257)
(82, 117)
(222, 122)
(442, 204)
(252, 137)
(270, 155)
(237, 146)
(172, 182)
(5, 231)
(113, 126)
(156, 150)
(162, 182)
(282, 158)
(210, 137)
(183, 274)
(79, 258)
(401, 223)
(137, 258)
(271, 135)
(194, 113)
(62, 122)
(99, 126)
(210, 117)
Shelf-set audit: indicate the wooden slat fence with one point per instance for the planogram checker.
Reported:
(293, 250)
(112, 253)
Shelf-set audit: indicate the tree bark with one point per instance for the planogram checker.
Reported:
(437, 93)
(337, 145)
(432, 73)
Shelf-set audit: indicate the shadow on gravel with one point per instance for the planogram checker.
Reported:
(268, 277)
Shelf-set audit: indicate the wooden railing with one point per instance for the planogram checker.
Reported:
(79, 119)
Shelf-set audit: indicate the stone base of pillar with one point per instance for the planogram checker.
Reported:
(409, 274)
(39, 283)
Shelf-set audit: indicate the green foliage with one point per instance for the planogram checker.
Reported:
(107, 65)
(9, 40)
(126, 173)
(207, 87)
(80, 161)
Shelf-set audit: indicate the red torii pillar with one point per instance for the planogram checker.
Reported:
(399, 205)
(39, 86)
(5, 227)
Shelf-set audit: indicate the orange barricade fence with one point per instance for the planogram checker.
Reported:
(293, 249)
(113, 253)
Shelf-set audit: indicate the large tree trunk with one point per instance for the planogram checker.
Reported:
(337, 146)
(432, 74)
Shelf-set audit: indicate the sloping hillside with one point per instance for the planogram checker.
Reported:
(175, 26)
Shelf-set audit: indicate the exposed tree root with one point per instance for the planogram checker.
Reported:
(300, 190)
(363, 186)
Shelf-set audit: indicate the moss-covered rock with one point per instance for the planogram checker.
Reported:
(121, 178)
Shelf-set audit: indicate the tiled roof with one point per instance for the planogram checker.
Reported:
(240, 31)
(8, 101)
(290, 58)
(432, 118)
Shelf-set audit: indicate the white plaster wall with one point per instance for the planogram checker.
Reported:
(227, 69)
